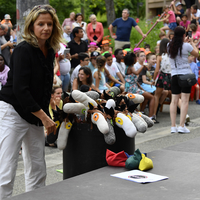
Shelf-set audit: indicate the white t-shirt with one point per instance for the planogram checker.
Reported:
(65, 65)
(113, 70)
(75, 74)
(121, 66)
(67, 37)
(76, 24)
(197, 14)
(137, 66)
(183, 66)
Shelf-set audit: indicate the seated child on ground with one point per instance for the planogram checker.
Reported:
(185, 22)
(195, 70)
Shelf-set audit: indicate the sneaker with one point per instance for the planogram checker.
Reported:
(198, 101)
(187, 119)
(183, 129)
(154, 120)
(174, 129)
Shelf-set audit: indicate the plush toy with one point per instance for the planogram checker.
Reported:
(93, 95)
(139, 123)
(83, 98)
(126, 124)
(136, 98)
(63, 134)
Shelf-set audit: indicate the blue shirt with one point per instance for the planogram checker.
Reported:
(124, 28)
(91, 67)
(194, 69)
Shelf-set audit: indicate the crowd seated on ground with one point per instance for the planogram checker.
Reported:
(86, 59)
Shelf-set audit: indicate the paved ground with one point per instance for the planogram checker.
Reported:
(155, 138)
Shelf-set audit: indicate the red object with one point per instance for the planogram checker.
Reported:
(99, 32)
(137, 20)
(193, 91)
(116, 159)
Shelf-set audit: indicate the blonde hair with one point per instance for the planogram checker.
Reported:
(56, 35)
(101, 60)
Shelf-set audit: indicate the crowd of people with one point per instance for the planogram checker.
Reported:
(77, 56)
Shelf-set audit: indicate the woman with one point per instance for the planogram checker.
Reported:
(4, 69)
(84, 78)
(178, 51)
(95, 30)
(24, 100)
(163, 71)
(79, 22)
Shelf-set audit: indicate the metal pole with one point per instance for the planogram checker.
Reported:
(152, 27)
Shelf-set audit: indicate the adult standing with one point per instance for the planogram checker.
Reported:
(66, 34)
(95, 30)
(124, 26)
(24, 100)
(80, 23)
(7, 21)
(178, 54)
(5, 45)
(69, 21)
(77, 45)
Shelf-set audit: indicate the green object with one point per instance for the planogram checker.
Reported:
(105, 53)
(127, 49)
(60, 170)
(133, 161)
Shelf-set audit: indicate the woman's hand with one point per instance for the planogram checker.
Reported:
(50, 125)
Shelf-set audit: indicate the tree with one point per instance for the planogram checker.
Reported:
(110, 11)
(23, 9)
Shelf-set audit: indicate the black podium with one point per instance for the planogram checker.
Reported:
(86, 149)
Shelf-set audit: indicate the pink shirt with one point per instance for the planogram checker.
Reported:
(185, 25)
(172, 17)
(196, 35)
(4, 75)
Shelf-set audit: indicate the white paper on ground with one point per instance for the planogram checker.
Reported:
(139, 176)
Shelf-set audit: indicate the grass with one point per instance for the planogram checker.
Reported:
(145, 25)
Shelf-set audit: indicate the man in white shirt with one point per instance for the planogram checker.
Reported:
(67, 32)
(195, 12)
(119, 55)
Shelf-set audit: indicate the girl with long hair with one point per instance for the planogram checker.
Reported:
(178, 50)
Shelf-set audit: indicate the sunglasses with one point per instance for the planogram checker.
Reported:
(45, 7)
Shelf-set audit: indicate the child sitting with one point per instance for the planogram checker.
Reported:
(195, 70)
(146, 75)
(161, 36)
(172, 20)
(178, 10)
(114, 72)
(185, 22)
(171, 35)
(195, 33)
(92, 47)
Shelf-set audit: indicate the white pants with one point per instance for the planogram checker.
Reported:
(14, 132)
(120, 44)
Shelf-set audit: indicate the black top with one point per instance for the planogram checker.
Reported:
(30, 80)
(77, 48)
(149, 74)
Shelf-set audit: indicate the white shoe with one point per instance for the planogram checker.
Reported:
(183, 129)
(174, 129)
(187, 119)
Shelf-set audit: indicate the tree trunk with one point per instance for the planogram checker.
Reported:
(110, 11)
(23, 9)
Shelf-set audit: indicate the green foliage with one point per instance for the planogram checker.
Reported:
(152, 37)
(8, 7)
(64, 8)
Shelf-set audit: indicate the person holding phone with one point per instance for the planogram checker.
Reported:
(80, 23)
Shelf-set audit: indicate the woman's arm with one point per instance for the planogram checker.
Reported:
(195, 51)
(95, 88)
(159, 58)
(88, 30)
(48, 123)
(75, 84)
(56, 66)
(101, 32)
(97, 80)
(138, 71)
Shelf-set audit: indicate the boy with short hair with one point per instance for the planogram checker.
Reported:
(141, 57)
(84, 61)
(178, 10)
(114, 72)
(161, 36)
